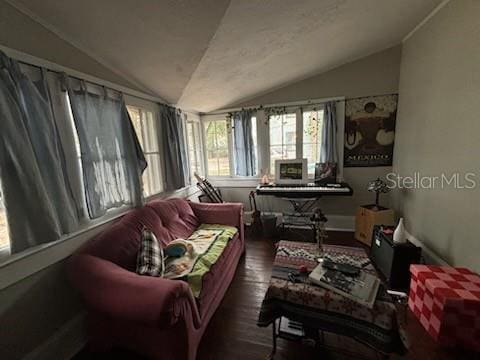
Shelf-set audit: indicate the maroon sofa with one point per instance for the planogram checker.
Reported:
(153, 316)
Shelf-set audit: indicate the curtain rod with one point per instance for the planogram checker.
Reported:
(77, 77)
(34, 61)
(293, 104)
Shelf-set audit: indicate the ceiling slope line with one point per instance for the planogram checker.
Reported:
(306, 77)
(24, 10)
(179, 101)
(425, 20)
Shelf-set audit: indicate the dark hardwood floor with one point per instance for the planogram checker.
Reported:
(233, 333)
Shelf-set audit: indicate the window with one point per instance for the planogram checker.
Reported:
(312, 138)
(283, 138)
(194, 148)
(4, 232)
(144, 123)
(217, 147)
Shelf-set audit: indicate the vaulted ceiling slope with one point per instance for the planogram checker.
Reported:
(205, 55)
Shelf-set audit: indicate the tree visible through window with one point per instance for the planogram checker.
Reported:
(312, 138)
(216, 144)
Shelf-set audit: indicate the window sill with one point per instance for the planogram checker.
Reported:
(19, 266)
(235, 181)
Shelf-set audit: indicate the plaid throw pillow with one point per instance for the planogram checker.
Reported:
(150, 255)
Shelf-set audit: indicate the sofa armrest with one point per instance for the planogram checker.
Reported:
(225, 214)
(118, 293)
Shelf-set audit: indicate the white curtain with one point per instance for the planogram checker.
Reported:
(37, 192)
(112, 159)
(328, 152)
(245, 159)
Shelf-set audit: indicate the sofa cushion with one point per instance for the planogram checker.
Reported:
(213, 281)
(177, 219)
(120, 241)
(168, 220)
(150, 259)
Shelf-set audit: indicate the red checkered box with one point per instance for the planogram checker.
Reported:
(446, 300)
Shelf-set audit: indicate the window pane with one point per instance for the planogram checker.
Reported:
(144, 125)
(149, 133)
(289, 129)
(152, 176)
(212, 163)
(283, 138)
(216, 138)
(312, 137)
(134, 113)
(275, 154)
(193, 140)
(4, 232)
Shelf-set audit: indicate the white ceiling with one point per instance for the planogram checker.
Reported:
(208, 54)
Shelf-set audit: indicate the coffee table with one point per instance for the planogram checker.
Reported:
(323, 310)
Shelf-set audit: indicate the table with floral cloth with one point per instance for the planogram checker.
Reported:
(322, 309)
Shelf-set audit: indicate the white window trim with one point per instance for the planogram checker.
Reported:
(263, 139)
(153, 108)
(194, 119)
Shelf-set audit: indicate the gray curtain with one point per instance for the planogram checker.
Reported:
(328, 152)
(37, 193)
(175, 164)
(245, 159)
(112, 160)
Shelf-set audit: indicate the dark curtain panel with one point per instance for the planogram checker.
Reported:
(175, 169)
(112, 160)
(37, 192)
(245, 159)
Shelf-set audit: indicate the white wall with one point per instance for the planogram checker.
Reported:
(373, 75)
(438, 130)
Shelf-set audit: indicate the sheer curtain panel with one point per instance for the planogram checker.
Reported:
(37, 193)
(111, 156)
(328, 152)
(245, 160)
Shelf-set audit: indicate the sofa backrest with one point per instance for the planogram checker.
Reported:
(168, 219)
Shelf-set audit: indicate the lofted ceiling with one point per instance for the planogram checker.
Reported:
(209, 54)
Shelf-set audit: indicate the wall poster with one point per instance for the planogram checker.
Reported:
(370, 131)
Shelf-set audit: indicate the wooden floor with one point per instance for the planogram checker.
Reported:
(233, 333)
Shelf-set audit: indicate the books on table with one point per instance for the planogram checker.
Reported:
(361, 288)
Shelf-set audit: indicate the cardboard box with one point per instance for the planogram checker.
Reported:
(367, 217)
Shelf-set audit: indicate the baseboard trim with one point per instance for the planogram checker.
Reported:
(428, 254)
(64, 343)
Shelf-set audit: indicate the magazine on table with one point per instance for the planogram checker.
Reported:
(361, 288)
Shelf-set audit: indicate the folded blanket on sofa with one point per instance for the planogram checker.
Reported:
(205, 246)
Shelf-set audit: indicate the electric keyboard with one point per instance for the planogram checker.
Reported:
(305, 191)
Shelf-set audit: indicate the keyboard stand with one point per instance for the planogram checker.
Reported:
(304, 200)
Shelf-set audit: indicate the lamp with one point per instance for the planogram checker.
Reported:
(378, 186)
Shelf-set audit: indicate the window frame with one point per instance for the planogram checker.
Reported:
(263, 141)
(145, 106)
(221, 117)
(317, 108)
(231, 150)
(196, 123)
